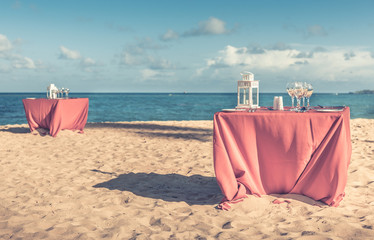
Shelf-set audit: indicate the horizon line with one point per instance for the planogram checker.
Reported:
(181, 92)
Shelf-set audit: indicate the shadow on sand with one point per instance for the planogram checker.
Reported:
(24, 130)
(145, 129)
(194, 190)
(16, 130)
(146, 126)
(154, 130)
(202, 137)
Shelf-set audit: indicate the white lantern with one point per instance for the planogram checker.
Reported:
(52, 91)
(248, 91)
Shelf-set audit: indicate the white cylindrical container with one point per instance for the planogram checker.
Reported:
(280, 103)
(275, 103)
(50, 91)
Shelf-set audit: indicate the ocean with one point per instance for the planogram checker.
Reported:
(114, 107)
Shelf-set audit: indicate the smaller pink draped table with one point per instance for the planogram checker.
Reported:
(280, 152)
(56, 114)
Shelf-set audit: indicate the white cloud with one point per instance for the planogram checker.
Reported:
(88, 64)
(13, 60)
(142, 54)
(349, 55)
(156, 63)
(332, 65)
(5, 44)
(316, 30)
(145, 59)
(212, 26)
(281, 46)
(147, 43)
(85, 64)
(68, 54)
(24, 63)
(170, 35)
(131, 59)
(151, 74)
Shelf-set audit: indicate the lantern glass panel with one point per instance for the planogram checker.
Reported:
(244, 96)
(254, 96)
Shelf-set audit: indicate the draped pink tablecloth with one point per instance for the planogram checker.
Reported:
(267, 152)
(56, 114)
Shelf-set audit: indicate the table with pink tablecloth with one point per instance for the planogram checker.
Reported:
(269, 152)
(56, 114)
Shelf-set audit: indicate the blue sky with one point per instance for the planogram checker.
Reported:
(193, 46)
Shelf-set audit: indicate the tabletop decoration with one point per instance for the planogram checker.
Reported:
(278, 103)
(248, 91)
(308, 93)
(300, 90)
(53, 92)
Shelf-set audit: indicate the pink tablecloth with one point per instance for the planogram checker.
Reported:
(56, 114)
(269, 152)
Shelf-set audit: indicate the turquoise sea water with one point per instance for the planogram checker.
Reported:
(112, 107)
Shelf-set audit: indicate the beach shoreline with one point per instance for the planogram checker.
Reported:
(155, 180)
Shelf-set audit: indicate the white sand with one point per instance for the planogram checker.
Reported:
(155, 180)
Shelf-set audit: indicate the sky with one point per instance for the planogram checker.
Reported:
(185, 46)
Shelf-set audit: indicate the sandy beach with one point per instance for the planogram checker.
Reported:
(155, 180)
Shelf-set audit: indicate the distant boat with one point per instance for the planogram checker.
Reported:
(185, 92)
